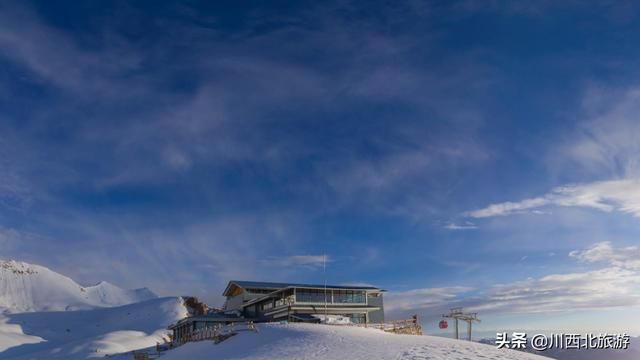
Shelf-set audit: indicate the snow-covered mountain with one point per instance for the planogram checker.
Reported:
(27, 287)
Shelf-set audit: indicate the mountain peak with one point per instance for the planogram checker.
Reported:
(28, 287)
(18, 267)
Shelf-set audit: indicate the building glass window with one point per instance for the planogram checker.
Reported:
(339, 296)
(349, 297)
(312, 295)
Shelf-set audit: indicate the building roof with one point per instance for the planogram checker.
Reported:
(276, 286)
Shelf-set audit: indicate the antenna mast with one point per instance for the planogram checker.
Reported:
(324, 271)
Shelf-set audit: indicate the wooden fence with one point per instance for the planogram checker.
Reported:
(217, 333)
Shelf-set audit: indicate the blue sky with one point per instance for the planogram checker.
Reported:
(454, 153)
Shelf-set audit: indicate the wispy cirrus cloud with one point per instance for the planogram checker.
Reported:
(467, 225)
(603, 145)
(425, 298)
(599, 289)
(227, 116)
(119, 120)
(615, 286)
(614, 195)
(624, 257)
(606, 141)
(311, 261)
(53, 58)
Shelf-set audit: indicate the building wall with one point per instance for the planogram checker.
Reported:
(256, 310)
(234, 303)
(378, 315)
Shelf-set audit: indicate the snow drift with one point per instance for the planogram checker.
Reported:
(26, 287)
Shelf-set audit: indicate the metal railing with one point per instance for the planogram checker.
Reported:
(216, 333)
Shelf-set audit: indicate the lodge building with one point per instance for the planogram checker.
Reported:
(253, 301)
(267, 301)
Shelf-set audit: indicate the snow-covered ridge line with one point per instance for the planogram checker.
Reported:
(28, 287)
(17, 267)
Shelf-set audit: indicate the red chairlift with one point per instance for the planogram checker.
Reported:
(443, 324)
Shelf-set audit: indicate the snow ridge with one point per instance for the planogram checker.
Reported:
(27, 287)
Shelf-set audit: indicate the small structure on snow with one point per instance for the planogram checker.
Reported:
(458, 314)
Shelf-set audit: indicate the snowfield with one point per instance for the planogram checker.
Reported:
(330, 342)
(84, 334)
(26, 287)
(11, 335)
(75, 335)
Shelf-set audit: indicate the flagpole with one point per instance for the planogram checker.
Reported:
(324, 270)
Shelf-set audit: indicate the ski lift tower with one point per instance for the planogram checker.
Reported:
(458, 314)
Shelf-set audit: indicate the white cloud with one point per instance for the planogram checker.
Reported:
(467, 225)
(54, 58)
(613, 195)
(604, 145)
(314, 261)
(608, 140)
(617, 285)
(625, 257)
(422, 298)
(508, 207)
(604, 288)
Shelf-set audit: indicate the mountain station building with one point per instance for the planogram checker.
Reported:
(267, 301)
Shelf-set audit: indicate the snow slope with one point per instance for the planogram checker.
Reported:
(632, 353)
(11, 335)
(313, 341)
(26, 287)
(74, 335)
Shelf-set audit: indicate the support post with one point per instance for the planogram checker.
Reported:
(457, 314)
